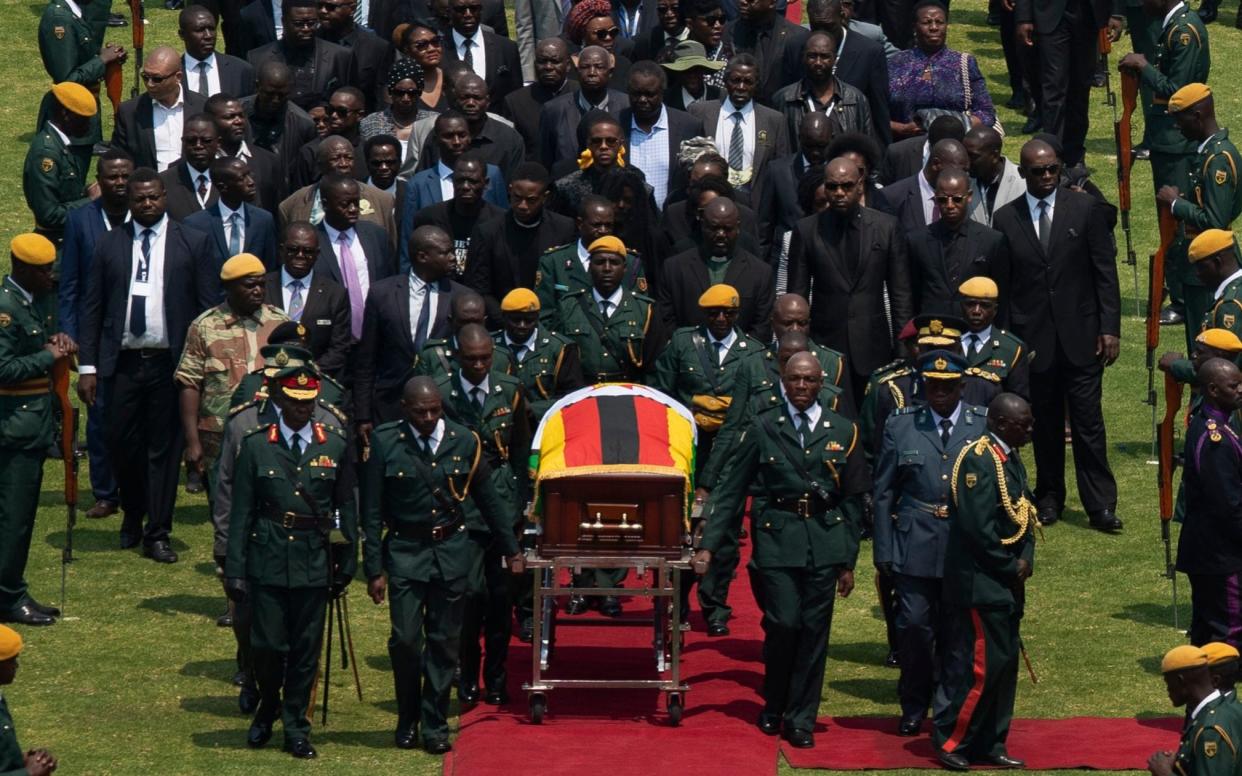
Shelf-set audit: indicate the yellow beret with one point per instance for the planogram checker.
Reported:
(520, 300)
(607, 244)
(721, 295)
(1221, 339)
(76, 98)
(1188, 95)
(979, 287)
(1219, 652)
(1209, 242)
(33, 249)
(1183, 657)
(240, 266)
(10, 642)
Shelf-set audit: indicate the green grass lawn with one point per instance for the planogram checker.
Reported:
(135, 678)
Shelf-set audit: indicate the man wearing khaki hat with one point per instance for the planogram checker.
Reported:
(54, 176)
(1213, 723)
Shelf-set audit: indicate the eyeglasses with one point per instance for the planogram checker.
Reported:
(714, 19)
(197, 141)
(610, 142)
(839, 186)
(304, 253)
(426, 43)
(608, 34)
(152, 78)
(412, 93)
(944, 199)
(340, 110)
(303, 24)
(1047, 169)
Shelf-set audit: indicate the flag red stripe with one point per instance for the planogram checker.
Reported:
(653, 438)
(582, 443)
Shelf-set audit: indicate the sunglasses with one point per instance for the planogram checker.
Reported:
(464, 9)
(1048, 169)
(944, 199)
(423, 45)
(152, 78)
(608, 34)
(306, 253)
(714, 19)
(340, 110)
(839, 186)
(604, 141)
(332, 6)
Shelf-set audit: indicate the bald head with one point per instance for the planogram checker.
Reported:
(1221, 384)
(163, 56)
(946, 153)
(421, 386)
(841, 166)
(721, 208)
(795, 342)
(984, 137)
(473, 334)
(800, 362)
(468, 308)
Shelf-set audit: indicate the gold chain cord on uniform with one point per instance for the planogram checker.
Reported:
(1021, 512)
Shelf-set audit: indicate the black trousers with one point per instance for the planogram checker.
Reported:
(1077, 388)
(1215, 609)
(797, 619)
(488, 613)
(1068, 56)
(145, 440)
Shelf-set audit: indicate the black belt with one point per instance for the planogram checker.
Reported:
(299, 521)
(421, 532)
(805, 506)
(146, 352)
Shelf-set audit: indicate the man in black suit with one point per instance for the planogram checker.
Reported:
(906, 157)
(489, 55)
(204, 71)
(372, 54)
(149, 280)
(954, 249)
(352, 253)
(188, 185)
(1065, 32)
(913, 200)
(460, 215)
(230, 120)
(346, 108)
(319, 67)
(310, 298)
(149, 126)
(687, 275)
(774, 41)
(680, 228)
(551, 81)
(398, 321)
(559, 119)
(256, 29)
(654, 132)
(634, 18)
(504, 252)
(275, 123)
(492, 141)
(855, 261)
(234, 224)
(1065, 304)
(861, 62)
(777, 191)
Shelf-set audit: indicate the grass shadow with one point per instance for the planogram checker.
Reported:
(206, 606)
(221, 739)
(1150, 665)
(221, 670)
(1153, 614)
(215, 705)
(371, 739)
(868, 653)
(875, 690)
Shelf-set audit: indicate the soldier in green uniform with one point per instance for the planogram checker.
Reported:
(565, 268)
(292, 534)
(287, 336)
(990, 350)
(1223, 664)
(13, 761)
(425, 480)
(545, 362)
(28, 348)
(803, 463)
(1180, 57)
(1209, 744)
(1213, 198)
(1213, 255)
(438, 357)
(491, 404)
(700, 368)
(1128, 14)
(54, 175)
(987, 561)
(72, 47)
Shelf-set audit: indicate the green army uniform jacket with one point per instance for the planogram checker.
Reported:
(1209, 747)
(551, 371)
(1181, 58)
(614, 350)
(25, 370)
(1215, 199)
(53, 180)
(690, 370)
(438, 358)
(68, 46)
(561, 273)
(1006, 356)
(12, 758)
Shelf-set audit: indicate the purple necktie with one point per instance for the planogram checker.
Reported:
(349, 276)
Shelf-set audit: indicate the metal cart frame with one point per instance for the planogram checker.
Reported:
(666, 623)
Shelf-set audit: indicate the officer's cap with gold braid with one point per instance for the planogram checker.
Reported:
(10, 643)
(1187, 96)
(942, 330)
(32, 248)
(607, 244)
(76, 98)
(1220, 339)
(299, 384)
(942, 365)
(240, 266)
(720, 295)
(1209, 242)
(277, 358)
(1218, 652)
(1183, 658)
(520, 300)
(979, 287)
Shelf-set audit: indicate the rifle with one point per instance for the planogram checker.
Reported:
(1104, 47)
(138, 28)
(1122, 131)
(1172, 403)
(68, 454)
(114, 81)
(1155, 295)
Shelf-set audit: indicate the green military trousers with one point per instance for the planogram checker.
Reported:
(423, 647)
(980, 680)
(21, 477)
(285, 636)
(797, 619)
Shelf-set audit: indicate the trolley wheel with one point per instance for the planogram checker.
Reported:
(675, 708)
(538, 707)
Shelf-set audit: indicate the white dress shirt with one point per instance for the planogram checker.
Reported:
(1168, 17)
(527, 348)
(478, 54)
(437, 435)
(1203, 703)
(166, 126)
(156, 335)
(75, 8)
(1220, 290)
(813, 412)
(355, 249)
(225, 213)
(649, 152)
(983, 336)
(584, 256)
(286, 287)
(417, 295)
(63, 137)
(469, 388)
(928, 195)
(728, 341)
(1033, 204)
(613, 299)
(953, 419)
(724, 130)
(303, 434)
(445, 175)
(194, 176)
(277, 13)
(190, 64)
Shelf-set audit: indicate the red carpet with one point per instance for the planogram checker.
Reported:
(870, 743)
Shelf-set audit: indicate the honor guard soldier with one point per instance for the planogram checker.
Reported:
(1213, 199)
(987, 561)
(1213, 255)
(35, 762)
(545, 362)
(438, 358)
(54, 176)
(425, 479)
(490, 403)
(911, 498)
(73, 50)
(288, 338)
(700, 368)
(291, 547)
(804, 465)
(1223, 665)
(28, 349)
(1209, 739)
(990, 350)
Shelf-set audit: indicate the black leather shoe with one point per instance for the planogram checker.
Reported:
(717, 629)
(909, 726)
(50, 611)
(610, 606)
(224, 621)
(526, 632)
(1034, 123)
(1170, 317)
(1004, 761)
(193, 481)
(496, 697)
(116, 20)
(437, 746)
(28, 615)
(248, 699)
(259, 734)
(577, 605)
(467, 694)
(800, 739)
(160, 552)
(407, 737)
(1017, 102)
(891, 661)
(129, 541)
(1106, 521)
(769, 724)
(1142, 153)
(953, 761)
(301, 749)
(1048, 515)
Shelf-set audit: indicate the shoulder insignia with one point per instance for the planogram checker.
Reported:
(902, 372)
(975, 371)
(971, 479)
(1221, 177)
(5, 320)
(320, 435)
(1184, 39)
(538, 277)
(337, 412)
(273, 433)
(641, 285)
(242, 407)
(1209, 748)
(1228, 320)
(47, 165)
(59, 32)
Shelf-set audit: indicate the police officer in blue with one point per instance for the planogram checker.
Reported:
(911, 497)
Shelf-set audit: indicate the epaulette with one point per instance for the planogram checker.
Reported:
(500, 379)
(981, 446)
(1213, 430)
(556, 248)
(644, 297)
(908, 410)
(392, 426)
(902, 372)
(242, 407)
(435, 343)
(337, 412)
(262, 428)
(977, 411)
(326, 429)
(550, 336)
(574, 293)
(975, 371)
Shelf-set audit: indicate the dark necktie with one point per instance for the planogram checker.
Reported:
(424, 446)
(848, 245)
(476, 395)
(946, 428)
(737, 143)
(721, 349)
(990, 197)
(972, 344)
(424, 320)
(138, 302)
(468, 54)
(203, 88)
(295, 445)
(235, 234)
(202, 188)
(804, 426)
(1045, 227)
(605, 307)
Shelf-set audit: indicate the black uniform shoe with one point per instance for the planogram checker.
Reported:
(260, 733)
(467, 693)
(1034, 123)
(193, 480)
(717, 629)
(610, 606)
(496, 697)
(1048, 515)
(890, 660)
(799, 739)
(909, 726)
(28, 615)
(577, 605)
(407, 736)
(769, 724)
(1105, 520)
(50, 611)
(437, 746)
(1004, 761)
(159, 552)
(301, 749)
(953, 761)
(1017, 102)
(224, 621)
(1171, 317)
(248, 699)
(129, 541)
(116, 20)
